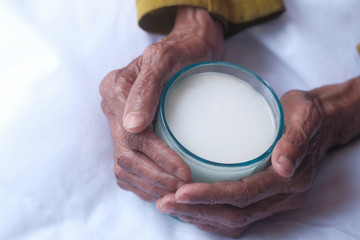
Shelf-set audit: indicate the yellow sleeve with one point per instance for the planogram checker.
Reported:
(158, 16)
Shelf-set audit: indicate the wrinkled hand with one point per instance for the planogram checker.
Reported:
(143, 163)
(229, 208)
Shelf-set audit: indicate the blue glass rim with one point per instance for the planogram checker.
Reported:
(188, 152)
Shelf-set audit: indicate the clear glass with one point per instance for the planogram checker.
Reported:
(205, 170)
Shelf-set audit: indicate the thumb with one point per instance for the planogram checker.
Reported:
(142, 101)
(289, 151)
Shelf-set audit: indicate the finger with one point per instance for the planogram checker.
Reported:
(136, 162)
(301, 124)
(140, 184)
(143, 195)
(145, 141)
(230, 217)
(159, 152)
(237, 193)
(140, 165)
(156, 66)
(214, 215)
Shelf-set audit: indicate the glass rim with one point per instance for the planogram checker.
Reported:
(203, 160)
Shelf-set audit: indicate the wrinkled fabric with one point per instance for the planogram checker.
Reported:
(158, 16)
(56, 176)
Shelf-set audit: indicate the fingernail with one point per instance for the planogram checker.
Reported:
(286, 165)
(134, 120)
(166, 208)
(181, 199)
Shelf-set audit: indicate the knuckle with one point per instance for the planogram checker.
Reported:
(116, 85)
(148, 88)
(107, 84)
(242, 197)
(125, 160)
(152, 52)
(123, 175)
(160, 49)
(123, 185)
(164, 51)
(134, 141)
(119, 172)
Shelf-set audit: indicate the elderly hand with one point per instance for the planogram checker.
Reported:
(314, 121)
(144, 164)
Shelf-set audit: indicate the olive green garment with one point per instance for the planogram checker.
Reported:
(158, 16)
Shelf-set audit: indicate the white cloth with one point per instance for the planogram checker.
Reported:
(56, 177)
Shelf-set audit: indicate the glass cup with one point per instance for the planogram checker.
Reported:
(205, 170)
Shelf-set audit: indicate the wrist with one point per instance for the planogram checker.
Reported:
(197, 22)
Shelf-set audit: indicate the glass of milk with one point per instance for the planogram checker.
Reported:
(222, 119)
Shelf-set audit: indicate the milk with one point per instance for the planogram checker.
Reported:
(218, 123)
(220, 118)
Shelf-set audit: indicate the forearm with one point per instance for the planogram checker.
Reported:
(340, 104)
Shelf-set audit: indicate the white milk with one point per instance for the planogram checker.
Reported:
(220, 118)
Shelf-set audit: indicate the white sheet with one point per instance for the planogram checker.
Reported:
(56, 179)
